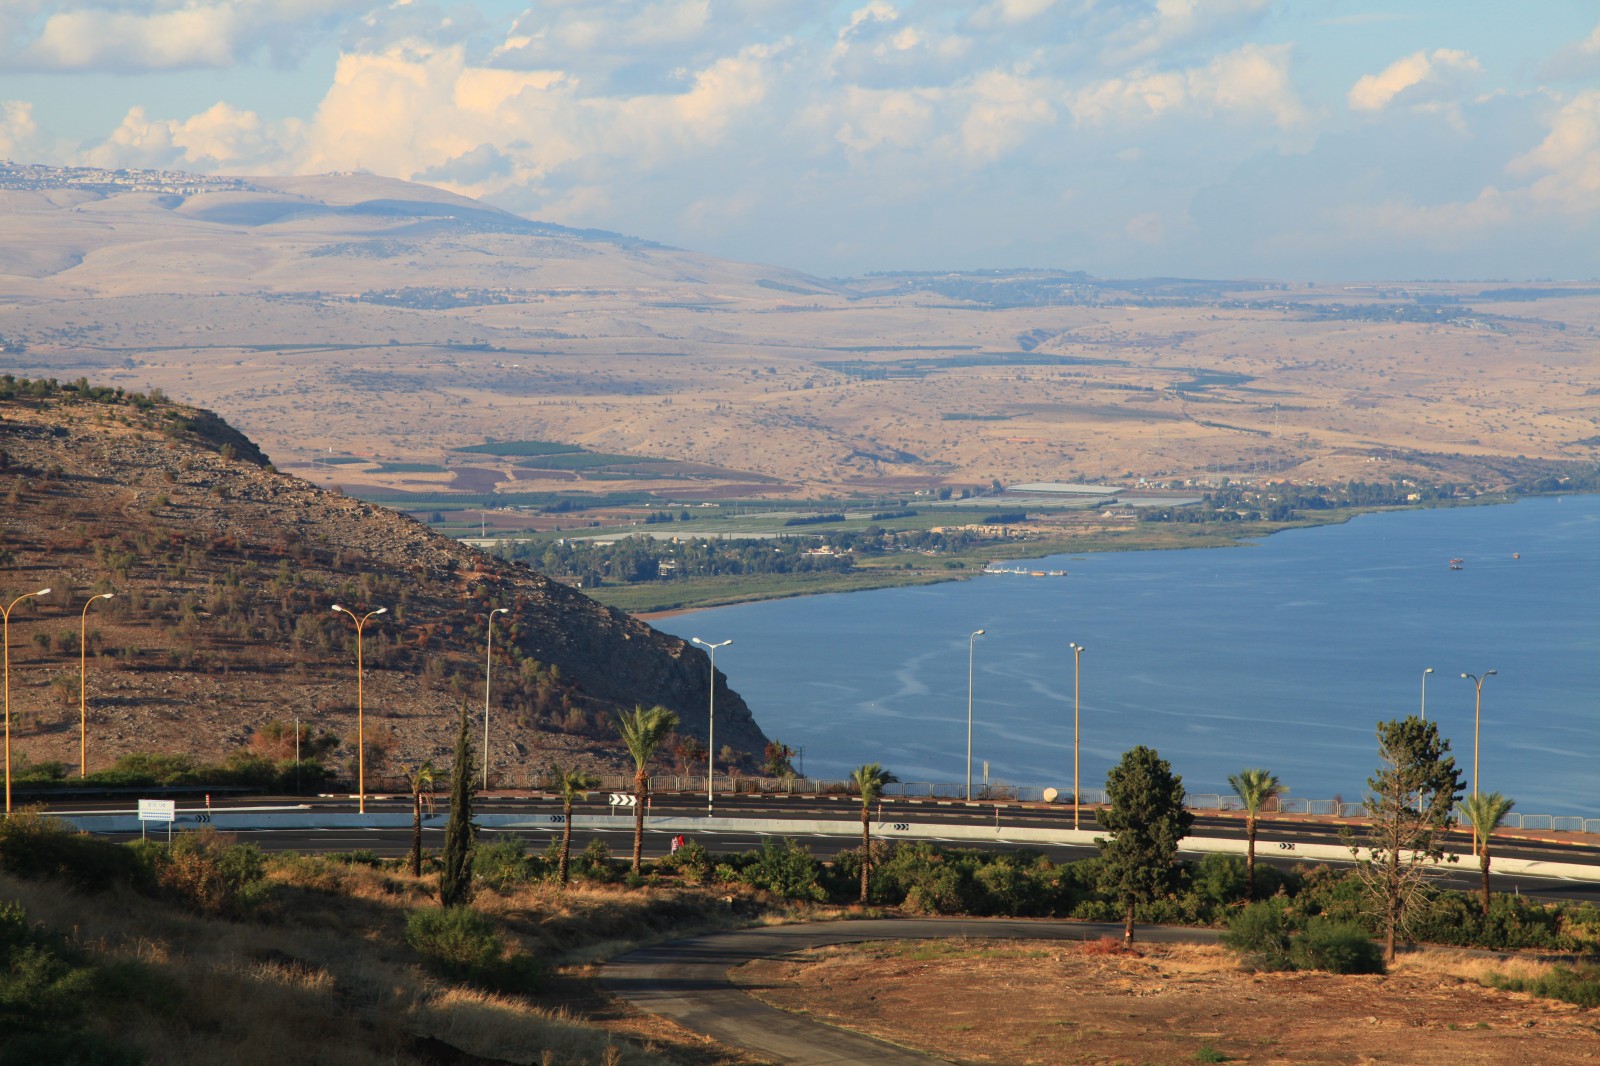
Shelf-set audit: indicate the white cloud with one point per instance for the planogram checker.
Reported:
(1252, 80)
(1004, 110)
(172, 36)
(1576, 61)
(1567, 160)
(219, 139)
(19, 134)
(1419, 79)
(1178, 24)
(1006, 13)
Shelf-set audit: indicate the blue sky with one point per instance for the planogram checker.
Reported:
(1307, 140)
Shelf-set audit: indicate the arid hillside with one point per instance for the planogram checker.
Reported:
(224, 573)
(363, 330)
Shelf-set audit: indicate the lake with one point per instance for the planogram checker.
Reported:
(1282, 653)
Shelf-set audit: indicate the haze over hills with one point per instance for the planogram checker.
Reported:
(224, 572)
(392, 322)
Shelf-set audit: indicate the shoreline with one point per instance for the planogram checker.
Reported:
(1095, 545)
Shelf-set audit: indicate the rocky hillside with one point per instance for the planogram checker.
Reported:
(224, 574)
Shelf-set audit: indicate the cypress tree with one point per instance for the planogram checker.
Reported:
(1148, 817)
(455, 880)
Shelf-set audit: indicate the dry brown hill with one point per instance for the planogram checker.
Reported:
(396, 323)
(224, 573)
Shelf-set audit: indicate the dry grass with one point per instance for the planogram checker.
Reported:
(1061, 1002)
(323, 974)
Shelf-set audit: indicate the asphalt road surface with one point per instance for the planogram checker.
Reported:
(1273, 846)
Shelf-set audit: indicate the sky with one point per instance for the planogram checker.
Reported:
(1300, 140)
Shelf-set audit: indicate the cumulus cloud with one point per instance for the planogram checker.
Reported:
(1575, 62)
(87, 37)
(1567, 161)
(1252, 80)
(18, 132)
(1176, 25)
(1421, 78)
(219, 139)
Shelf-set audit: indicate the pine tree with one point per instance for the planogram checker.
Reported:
(455, 880)
(1409, 801)
(1147, 816)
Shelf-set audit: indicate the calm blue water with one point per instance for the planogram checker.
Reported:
(1283, 653)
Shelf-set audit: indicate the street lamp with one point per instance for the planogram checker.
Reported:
(5, 636)
(971, 641)
(83, 676)
(488, 658)
(1425, 674)
(1077, 799)
(711, 720)
(361, 722)
(1477, 710)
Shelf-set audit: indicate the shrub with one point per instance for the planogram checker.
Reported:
(34, 846)
(1580, 985)
(692, 862)
(459, 944)
(46, 986)
(1336, 947)
(786, 868)
(594, 863)
(207, 871)
(1260, 934)
(504, 864)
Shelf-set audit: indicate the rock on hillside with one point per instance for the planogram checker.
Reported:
(225, 572)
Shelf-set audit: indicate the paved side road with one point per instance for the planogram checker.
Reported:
(687, 980)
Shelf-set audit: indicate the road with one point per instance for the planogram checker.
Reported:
(1277, 841)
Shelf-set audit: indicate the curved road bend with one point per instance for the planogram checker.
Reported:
(687, 980)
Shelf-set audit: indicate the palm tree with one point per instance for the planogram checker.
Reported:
(642, 733)
(1255, 788)
(571, 784)
(421, 781)
(869, 781)
(1485, 813)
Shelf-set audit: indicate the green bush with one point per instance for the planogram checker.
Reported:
(1580, 985)
(786, 868)
(505, 864)
(46, 988)
(455, 941)
(207, 871)
(35, 846)
(594, 863)
(1260, 934)
(692, 862)
(459, 944)
(1335, 947)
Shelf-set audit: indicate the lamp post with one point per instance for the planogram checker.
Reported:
(488, 659)
(5, 637)
(1425, 674)
(361, 721)
(1477, 711)
(83, 677)
(972, 641)
(711, 721)
(1077, 799)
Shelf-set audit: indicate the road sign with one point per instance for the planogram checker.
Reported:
(158, 810)
(624, 799)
